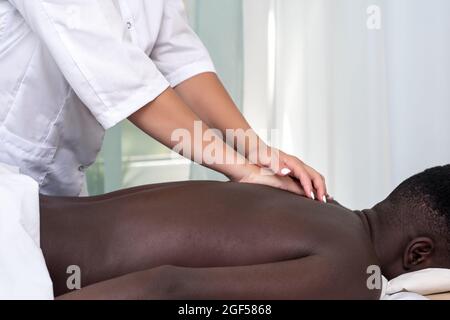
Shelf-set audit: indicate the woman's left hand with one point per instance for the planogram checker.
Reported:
(282, 164)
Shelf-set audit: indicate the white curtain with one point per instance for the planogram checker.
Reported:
(358, 89)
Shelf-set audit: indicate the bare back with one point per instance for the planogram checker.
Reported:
(196, 225)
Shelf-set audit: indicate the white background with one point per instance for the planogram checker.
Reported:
(368, 108)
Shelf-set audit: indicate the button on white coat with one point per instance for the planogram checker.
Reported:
(71, 69)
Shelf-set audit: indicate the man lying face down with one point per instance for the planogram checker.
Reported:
(212, 240)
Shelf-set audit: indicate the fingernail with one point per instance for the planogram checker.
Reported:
(285, 171)
(312, 196)
(324, 199)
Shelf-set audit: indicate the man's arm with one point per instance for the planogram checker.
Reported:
(309, 278)
(134, 286)
(313, 277)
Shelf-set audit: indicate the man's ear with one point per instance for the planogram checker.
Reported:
(418, 254)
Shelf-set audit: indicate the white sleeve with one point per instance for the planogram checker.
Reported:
(178, 53)
(111, 76)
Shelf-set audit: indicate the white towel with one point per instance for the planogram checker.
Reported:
(23, 272)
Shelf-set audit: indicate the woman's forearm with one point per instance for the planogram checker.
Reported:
(168, 119)
(210, 101)
(168, 114)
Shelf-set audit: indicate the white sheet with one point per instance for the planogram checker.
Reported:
(23, 272)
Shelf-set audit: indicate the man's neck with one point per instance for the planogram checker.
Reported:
(382, 239)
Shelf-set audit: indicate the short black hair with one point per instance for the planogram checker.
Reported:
(426, 198)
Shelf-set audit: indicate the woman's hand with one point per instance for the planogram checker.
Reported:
(282, 164)
(263, 176)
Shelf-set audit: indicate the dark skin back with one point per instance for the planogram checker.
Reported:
(207, 240)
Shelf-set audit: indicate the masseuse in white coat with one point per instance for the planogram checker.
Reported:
(69, 69)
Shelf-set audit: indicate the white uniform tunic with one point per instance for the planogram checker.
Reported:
(69, 69)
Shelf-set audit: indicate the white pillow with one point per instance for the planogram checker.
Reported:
(423, 282)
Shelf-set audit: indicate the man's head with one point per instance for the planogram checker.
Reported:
(417, 213)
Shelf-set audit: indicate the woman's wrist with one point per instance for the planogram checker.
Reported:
(253, 146)
(259, 152)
